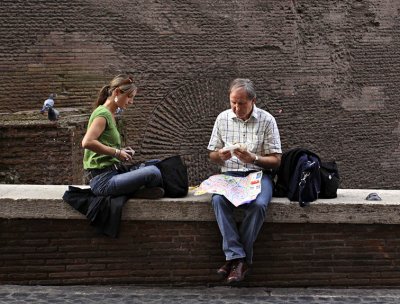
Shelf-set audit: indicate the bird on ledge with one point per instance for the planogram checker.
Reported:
(48, 106)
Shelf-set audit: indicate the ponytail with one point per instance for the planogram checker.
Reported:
(103, 95)
(123, 82)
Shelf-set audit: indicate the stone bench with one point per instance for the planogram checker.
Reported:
(346, 241)
(45, 202)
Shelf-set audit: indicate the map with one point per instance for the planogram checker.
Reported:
(238, 190)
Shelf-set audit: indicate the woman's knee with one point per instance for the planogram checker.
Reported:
(155, 170)
(153, 173)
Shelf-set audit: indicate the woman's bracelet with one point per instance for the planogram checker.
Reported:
(117, 153)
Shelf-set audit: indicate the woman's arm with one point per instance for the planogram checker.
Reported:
(90, 140)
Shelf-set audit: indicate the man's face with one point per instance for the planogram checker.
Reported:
(241, 105)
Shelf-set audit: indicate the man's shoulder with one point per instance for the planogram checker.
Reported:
(263, 114)
(225, 114)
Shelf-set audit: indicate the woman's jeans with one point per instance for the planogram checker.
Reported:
(237, 242)
(114, 183)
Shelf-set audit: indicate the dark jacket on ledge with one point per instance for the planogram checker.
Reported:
(104, 212)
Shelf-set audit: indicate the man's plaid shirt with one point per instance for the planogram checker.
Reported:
(259, 133)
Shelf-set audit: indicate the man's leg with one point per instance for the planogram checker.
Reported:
(254, 217)
(231, 243)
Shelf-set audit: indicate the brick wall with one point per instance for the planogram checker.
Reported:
(69, 252)
(35, 150)
(325, 69)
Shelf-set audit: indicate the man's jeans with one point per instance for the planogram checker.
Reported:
(114, 183)
(238, 242)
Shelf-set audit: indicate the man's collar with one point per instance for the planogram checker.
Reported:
(254, 113)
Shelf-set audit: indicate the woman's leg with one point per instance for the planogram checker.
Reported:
(129, 182)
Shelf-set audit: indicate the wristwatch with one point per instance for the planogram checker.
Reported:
(255, 160)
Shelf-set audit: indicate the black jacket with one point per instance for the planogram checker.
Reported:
(104, 212)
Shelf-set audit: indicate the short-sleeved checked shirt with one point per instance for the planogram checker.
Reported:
(260, 134)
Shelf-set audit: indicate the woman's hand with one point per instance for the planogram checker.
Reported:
(125, 154)
(122, 155)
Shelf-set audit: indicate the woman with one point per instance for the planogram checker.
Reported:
(103, 153)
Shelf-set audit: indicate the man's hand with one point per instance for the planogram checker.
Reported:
(224, 154)
(244, 156)
(220, 156)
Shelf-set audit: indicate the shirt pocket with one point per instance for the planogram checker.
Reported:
(256, 143)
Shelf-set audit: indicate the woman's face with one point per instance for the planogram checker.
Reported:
(125, 99)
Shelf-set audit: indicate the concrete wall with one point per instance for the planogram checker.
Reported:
(327, 70)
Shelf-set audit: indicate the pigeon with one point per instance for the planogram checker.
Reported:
(48, 106)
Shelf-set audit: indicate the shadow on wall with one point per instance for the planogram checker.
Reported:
(182, 124)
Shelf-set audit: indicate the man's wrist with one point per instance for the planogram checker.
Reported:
(256, 158)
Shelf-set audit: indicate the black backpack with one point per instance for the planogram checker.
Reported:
(304, 178)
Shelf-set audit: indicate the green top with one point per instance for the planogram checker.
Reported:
(110, 137)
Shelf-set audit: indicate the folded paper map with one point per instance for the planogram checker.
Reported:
(238, 190)
(234, 147)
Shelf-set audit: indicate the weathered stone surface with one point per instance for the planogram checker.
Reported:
(45, 201)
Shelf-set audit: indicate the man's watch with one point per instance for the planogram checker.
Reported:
(255, 160)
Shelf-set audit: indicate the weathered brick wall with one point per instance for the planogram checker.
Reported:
(295, 255)
(325, 69)
(35, 150)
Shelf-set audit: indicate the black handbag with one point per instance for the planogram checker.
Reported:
(174, 176)
(330, 179)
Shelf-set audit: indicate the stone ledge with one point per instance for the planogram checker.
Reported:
(45, 202)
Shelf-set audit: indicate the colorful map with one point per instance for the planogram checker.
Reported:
(238, 190)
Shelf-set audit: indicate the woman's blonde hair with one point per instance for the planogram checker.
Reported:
(123, 82)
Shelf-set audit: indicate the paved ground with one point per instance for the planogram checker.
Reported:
(221, 295)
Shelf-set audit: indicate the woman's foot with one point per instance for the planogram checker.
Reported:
(149, 193)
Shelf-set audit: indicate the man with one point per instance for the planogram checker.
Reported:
(246, 124)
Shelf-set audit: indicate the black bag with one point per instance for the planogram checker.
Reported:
(329, 179)
(305, 182)
(287, 168)
(301, 181)
(174, 176)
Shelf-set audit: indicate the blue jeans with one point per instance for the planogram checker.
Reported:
(237, 242)
(114, 183)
